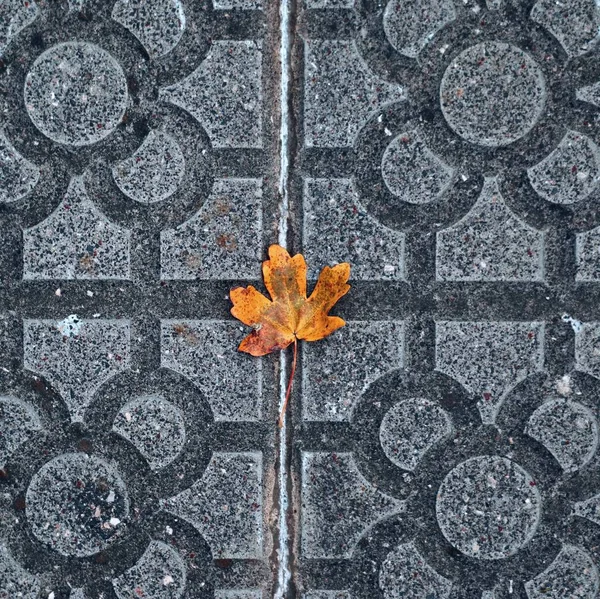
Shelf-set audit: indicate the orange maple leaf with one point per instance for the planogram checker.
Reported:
(289, 315)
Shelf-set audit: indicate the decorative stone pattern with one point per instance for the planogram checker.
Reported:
(558, 420)
(338, 505)
(570, 173)
(18, 176)
(18, 422)
(15, 15)
(206, 353)
(336, 373)
(410, 35)
(412, 172)
(224, 94)
(338, 229)
(590, 94)
(159, 574)
(156, 428)
(405, 573)
(488, 507)
(155, 170)
(15, 581)
(589, 509)
(571, 574)
(77, 363)
(587, 354)
(576, 29)
(588, 255)
(410, 429)
(158, 24)
(223, 240)
(489, 358)
(492, 94)
(490, 243)
(77, 504)
(76, 93)
(340, 93)
(225, 506)
(76, 242)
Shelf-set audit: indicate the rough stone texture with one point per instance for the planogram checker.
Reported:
(15, 15)
(15, 581)
(238, 4)
(587, 348)
(18, 422)
(235, 594)
(225, 506)
(327, 595)
(589, 509)
(588, 255)
(489, 358)
(222, 241)
(490, 243)
(338, 229)
(590, 93)
(18, 176)
(488, 508)
(224, 94)
(338, 505)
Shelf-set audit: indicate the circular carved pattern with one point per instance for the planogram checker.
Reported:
(488, 507)
(76, 504)
(492, 94)
(76, 93)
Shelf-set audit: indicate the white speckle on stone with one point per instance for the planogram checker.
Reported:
(115, 521)
(167, 580)
(89, 293)
(111, 497)
(70, 326)
(563, 385)
(58, 292)
(575, 324)
(168, 530)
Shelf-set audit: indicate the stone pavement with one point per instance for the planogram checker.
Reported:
(443, 444)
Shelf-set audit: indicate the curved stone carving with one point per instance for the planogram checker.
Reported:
(224, 94)
(157, 24)
(337, 228)
(205, 352)
(571, 574)
(405, 574)
(412, 172)
(332, 528)
(15, 15)
(557, 420)
(76, 363)
(410, 429)
(410, 25)
(570, 173)
(76, 242)
(225, 505)
(589, 509)
(15, 581)
(155, 426)
(490, 243)
(590, 94)
(18, 176)
(489, 358)
(158, 574)
(340, 93)
(154, 171)
(18, 421)
(335, 374)
(575, 25)
(223, 240)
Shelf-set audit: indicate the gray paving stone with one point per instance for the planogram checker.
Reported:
(76, 242)
(18, 421)
(330, 4)
(483, 105)
(155, 426)
(238, 4)
(225, 506)
(410, 429)
(488, 508)
(224, 94)
(235, 594)
(338, 229)
(154, 171)
(568, 430)
(222, 240)
(573, 573)
(18, 176)
(77, 504)
(158, 24)
(76, 93)
(588, 255)
(590, 94)
(489, 358)
(587, 352)
(490, 243)
(206, 353)
(411, 24)
(77, 594)
(589, 509)
(337, 372)
(15, 581)
(76, 361)
(405, 574)
(571, 173)
(338, 505)
(327, 595)
(15, 15)
(340, 93)
(159, 574)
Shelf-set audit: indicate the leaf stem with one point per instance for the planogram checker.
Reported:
(289, 386)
